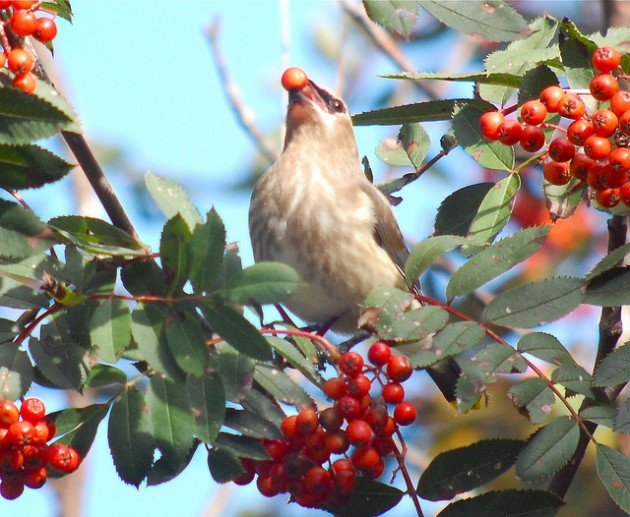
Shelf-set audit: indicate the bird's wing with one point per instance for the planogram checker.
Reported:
(386, 230)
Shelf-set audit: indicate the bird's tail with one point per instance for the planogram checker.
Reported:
(445, 375)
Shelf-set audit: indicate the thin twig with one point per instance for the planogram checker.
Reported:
(232, 96)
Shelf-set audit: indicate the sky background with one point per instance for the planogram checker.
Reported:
(141, 77)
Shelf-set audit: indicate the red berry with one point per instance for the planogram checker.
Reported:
(561, 150)
(266, 486)
(23, 4)
(335, 388)
(342, 465)
(294, 79)
(359, 386)
(11, 460)
(351, 363)
(604, 122)
(399, 368)
(597, 147)
(489, 124)
(384, 445)
(23, 23)
(596, 177)
(625, 193)
(277, 449)
(63, 458)
(624, 123)
(348, 406)
(404, 413)
(345, 480)
(330, 419)
(393, 393)
(606, 59)
(35, 478)
(579, 130)
(11, 487)
(379, 353)
(337, 441)
(307, 420)
(620, 102)
(388, 429)
(532, 139)
(46, 30)
(40, 433)
(365, 458)
(580, 166)
(359, 433)
(20, 433)
(33, 410)
(557, 173)
(9, 413)
(34, 456)
(52, 428)
(533, 112)
(615, 178)
(509, 132)
(247, 476)
(603, 86)
(376, 470)
(5, 3)
(571, 106)
(25, 82)
(608, 197)
(551, 96)
(289, 428)
(318, 481)
(619, 159)
(20, 61)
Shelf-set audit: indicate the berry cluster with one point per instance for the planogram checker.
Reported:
(356, 419)
(23, 22)
(24, 454)
(603, 135)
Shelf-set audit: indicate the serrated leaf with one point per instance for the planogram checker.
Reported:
(385, 305)
(104, 375)
(428, 111)
(16, 372)
(470, 387)
(397, 16)
(465, 468)
(172, 420)
(186, 342)
(414, 325)
(599, 414)
(264, 282)
(97, 236)
(64, 363)
(236, 371)
(164, 470)
(496, 21)
(614, 368)
(476, 77)
(549, 449)
(29, 166)
(250, 423)
(535, 81)
(506, 503)
(534, 398)
(494, 211)
(224, 465)
(61, 7)
(236, 330)
(622, 420)
(242, 446)
(77, 426)
(518, 60)
(459, 209)
(494, 359)
(610, 288)
(17, 296)
(424, 254)
(206, 397)
(369, 498)
(21, 233)
(546, 347)
(613, 468)
(110, 328)
(536, 303)
(281, 386)
(415, 142)
(130, 437)
(576, 50)
(207, 245)
(563, 200)
(610, 261)
(260, 403)
(496, 260)
(293, 356)
(174, 252)
(574, 378)
(172, 199)
(492, 155)
(142, 278)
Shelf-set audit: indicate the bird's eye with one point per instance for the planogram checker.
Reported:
(336, 105)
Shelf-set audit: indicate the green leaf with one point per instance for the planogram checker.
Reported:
(492, 155)
(142, 278)
(206, 396)
(506, 503)
(236, 371)
(494, 359)
(97, 236)
(224, 465)
(494, 260)
(415, 142)
(610, 261)
(576, 50)
(428, 111)
(534, 82)
(264, 282)
(470, 387)
(61, 7)
(250, 423)
(614, 368)
(260, 403)
(9, 329)
(622, 421)
(64, 363)
(129, 434)
(386, 305)
(534, 398)
(518, 60)
(293, 356)
(236, 330)
(477, 77)
(495, 20)
(172, 199)
(536, 303)
(599, 414)
(25, 118)
(104, 375)
(281, 386)
(414, 325)
(465, 468)
(16, 372)
(546, 347)
(164, 470)
(459, 209)
(610, 288)
(397, 16)
(563, 200)
(173, 422)
(613, 468)
(29, 166)
(494, 211)
(207, 245)
(187, 342)
(549, 449)
(174, 252)
(21, 233)
(17, 296)
(110, 328)
(574, 378)
(369, 498)
(77, 426)
(242, 446)
(427, 252)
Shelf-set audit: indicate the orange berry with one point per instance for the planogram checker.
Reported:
(620, 102)
(26, 82)
(551, 96)
(294, 79)
(557, 173)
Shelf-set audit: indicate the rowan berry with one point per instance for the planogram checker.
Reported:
(359, 433)
(307, 421)
(63, 458)
(23, 22)
(337, 441)
(557, 173)
(615, 178)
(393, 393)
(620, 102)
(345, 480)
(603, 86)
(561, 150)
(596, 177)
(509, 132)
(365, 458)
(619, 159)
(405, 413)
(384, 445)
(550, 97)
(606, 59)
(532, 138)
(580, 166)
(33, 410)
(266, 486)
(579, 130)
(388, 429)
(359, 386)
(20, 433)
(604, 122)
(318, 481)
(625, 193)
(489, 124)
(11, 487)
(379, 353)
(293, 79)
(23, 4)
(348, 406)
(26, 82)
(35, 478)
(624, 123)
(597, 147)
(533, 112)
(609, 197)
(45, 30)
(399, 368)
(335, 388)
(11, 460)
(330, 419)
(289, 427)
(351, 363)
(40, 433)
(9, 413)
(571, 106)
(277, 449)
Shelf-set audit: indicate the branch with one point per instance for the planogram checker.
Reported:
(231, 93)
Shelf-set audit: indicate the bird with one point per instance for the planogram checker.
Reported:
(316, 211)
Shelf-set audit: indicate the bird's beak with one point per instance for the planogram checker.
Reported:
(311, 95)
